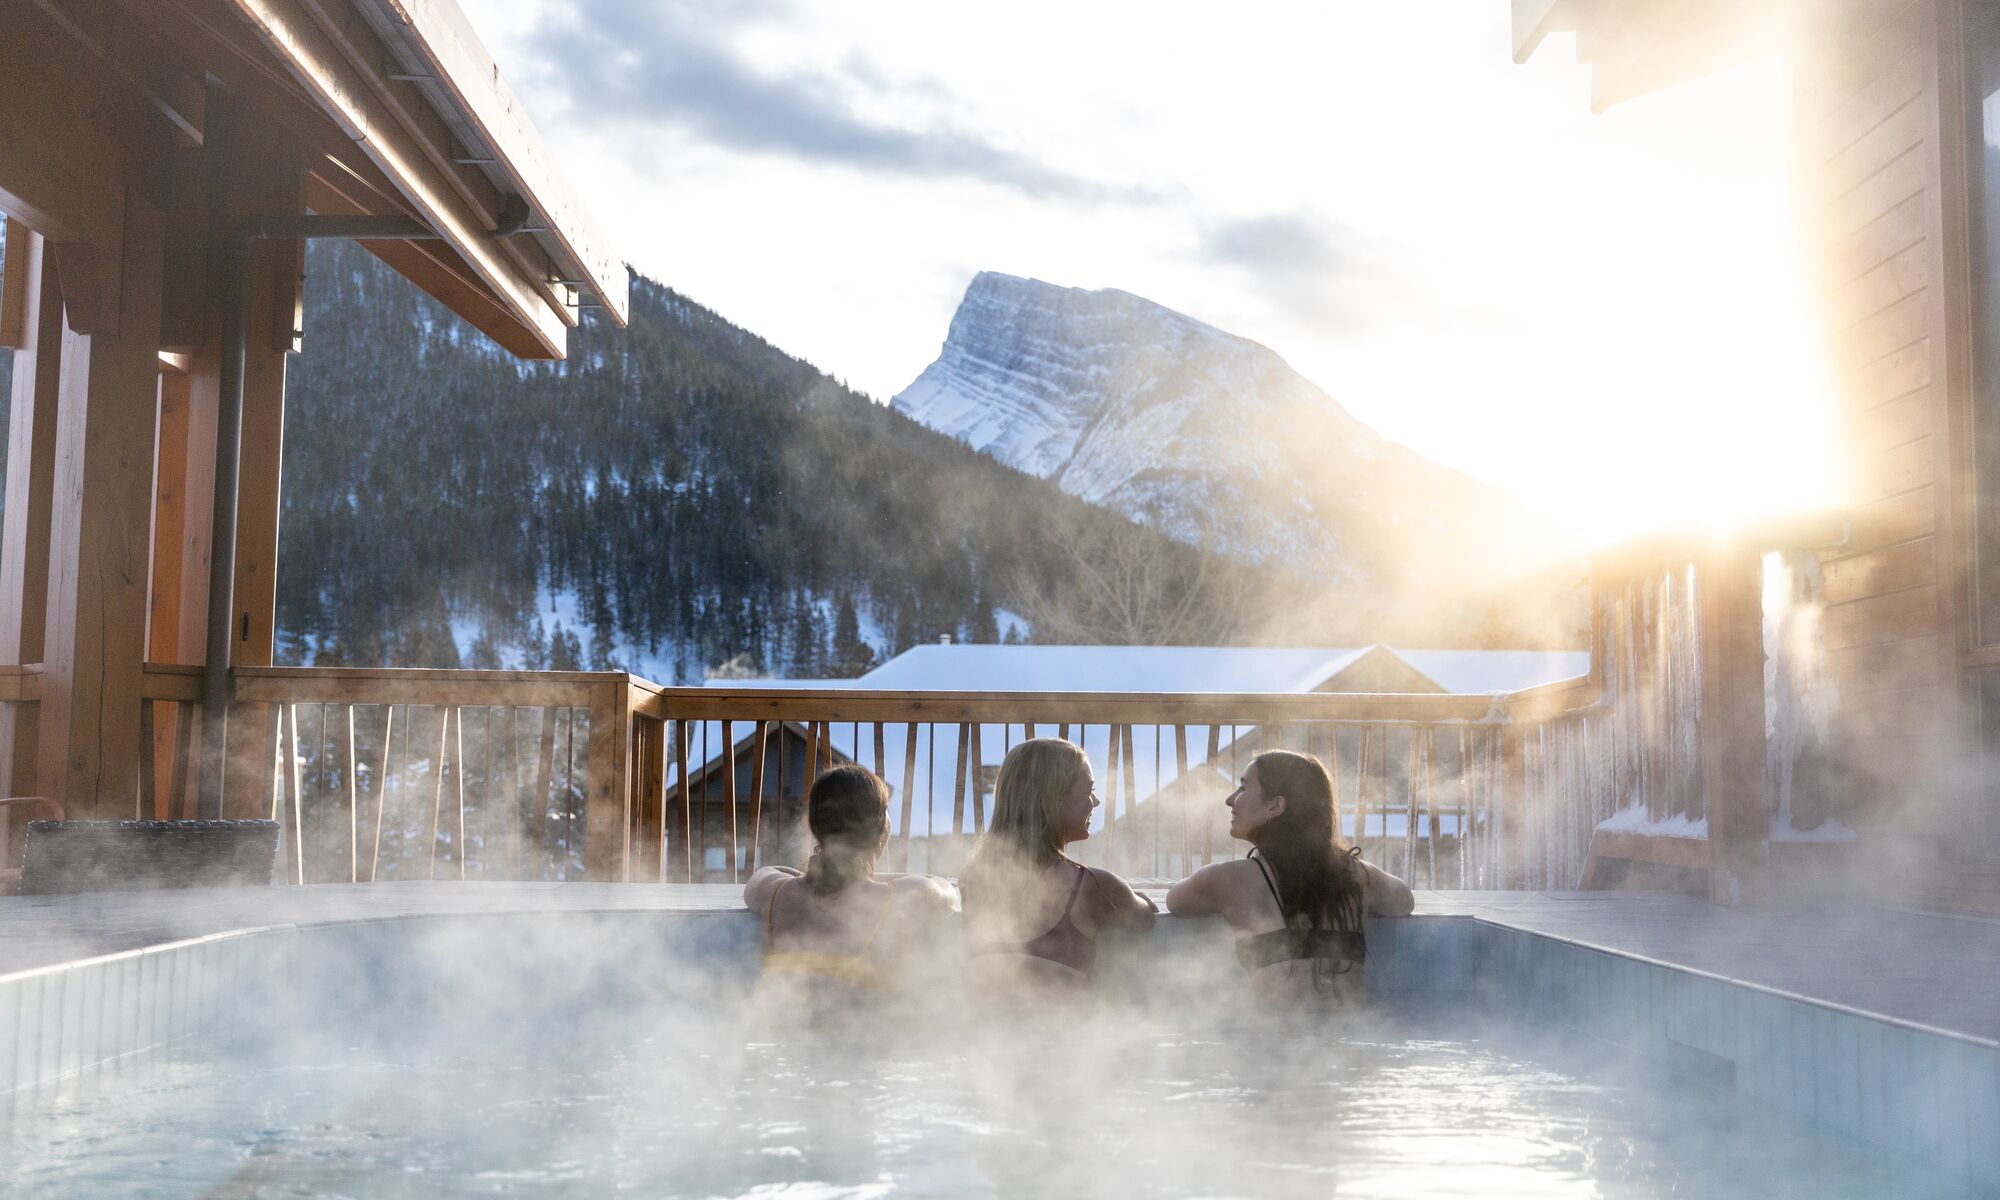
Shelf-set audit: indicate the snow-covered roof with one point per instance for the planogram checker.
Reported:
(1469, 671)
(1036, 668)
(800, 684)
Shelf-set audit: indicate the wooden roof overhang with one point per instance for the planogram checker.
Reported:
(394, 107)
(1640, 46)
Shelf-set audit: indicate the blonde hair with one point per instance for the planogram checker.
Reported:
(1034, 783)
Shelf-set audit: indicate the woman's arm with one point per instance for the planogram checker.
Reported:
(764, 884)
(1123, 905)
(1386, 895)
(1199, 895)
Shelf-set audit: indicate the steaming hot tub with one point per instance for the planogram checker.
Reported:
(582, 1053)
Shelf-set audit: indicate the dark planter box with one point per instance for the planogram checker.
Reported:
(135, 856)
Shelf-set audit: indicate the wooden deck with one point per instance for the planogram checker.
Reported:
(1921, 968)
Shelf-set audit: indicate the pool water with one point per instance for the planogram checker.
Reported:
(1396, 1109)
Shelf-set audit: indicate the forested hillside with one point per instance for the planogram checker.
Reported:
(676, 498)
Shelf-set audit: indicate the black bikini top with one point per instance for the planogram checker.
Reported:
(1258, 950)
(1062, 943)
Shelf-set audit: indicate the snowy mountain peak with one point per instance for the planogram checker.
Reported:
(1210, 436)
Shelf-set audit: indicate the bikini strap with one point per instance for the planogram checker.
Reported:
(1269, 881)
(1081, 872)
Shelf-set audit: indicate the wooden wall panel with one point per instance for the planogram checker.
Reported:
(1853, 577)
(1895, 616)
(1868, 91)
(1893, 423)
(1905, 224)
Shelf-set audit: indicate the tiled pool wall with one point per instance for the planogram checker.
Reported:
(270, 985)
(1926, 1094)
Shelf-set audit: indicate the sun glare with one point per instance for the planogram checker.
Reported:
(1683, 383)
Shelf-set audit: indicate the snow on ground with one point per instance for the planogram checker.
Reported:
(1634, 819)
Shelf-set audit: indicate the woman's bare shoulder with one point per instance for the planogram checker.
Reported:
(925, 891)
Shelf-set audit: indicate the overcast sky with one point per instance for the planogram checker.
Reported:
(1570, 306)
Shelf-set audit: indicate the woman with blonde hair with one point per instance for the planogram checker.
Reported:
(1298, 901)
(1031, 911)
(834, 923)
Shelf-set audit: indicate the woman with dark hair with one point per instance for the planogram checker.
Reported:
(1297, 902)
(834, 922)
(1031, 911)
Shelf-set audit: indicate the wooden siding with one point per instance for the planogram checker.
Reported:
(1868, 102)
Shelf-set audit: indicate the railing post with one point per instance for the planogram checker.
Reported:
(1729, 591)
(607, 816)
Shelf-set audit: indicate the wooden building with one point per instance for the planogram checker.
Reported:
(160, 163)
(768, 824)
(1895, 107)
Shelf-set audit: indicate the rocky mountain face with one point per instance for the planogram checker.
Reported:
(1211, 437)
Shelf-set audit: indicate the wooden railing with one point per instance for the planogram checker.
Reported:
(382, 774)
(387, 774)
(1417, 773)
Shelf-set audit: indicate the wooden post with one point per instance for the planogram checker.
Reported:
(1134, 838)
(729, 772)
(33, 310)
(382, 787)
(650, 812)
(909, 786)
(513, 830)
(1510, 806)
(437, 786)
(761, 748)
(607, 812)
(958, 785)
(682, 819)
(536, 810)
(99, 525)
(976, 769)
(254, 176)
(1185, 801)
(1729, 593)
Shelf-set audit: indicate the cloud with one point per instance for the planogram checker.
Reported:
(1327, 273)
(674, 64)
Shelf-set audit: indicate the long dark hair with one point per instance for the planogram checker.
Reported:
(1319, 881)
(849, 818)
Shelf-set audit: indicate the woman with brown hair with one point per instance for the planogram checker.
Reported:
(1298, 901)
(834, 922)
(1032, 912)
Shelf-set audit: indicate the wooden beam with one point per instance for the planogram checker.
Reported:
(63, 165)
(438, 30)
(255, 175)
(14, 285)
(408, 101)
(24, 538)
(99, 527)
(170, 517)
(316, 62)
(31, 450)
(1731, 724)
(432, 266)
(1119, 708)
(1535, 20)
(107, 33)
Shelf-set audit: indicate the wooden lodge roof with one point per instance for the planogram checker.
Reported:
(1639, 46)
(393, 107)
